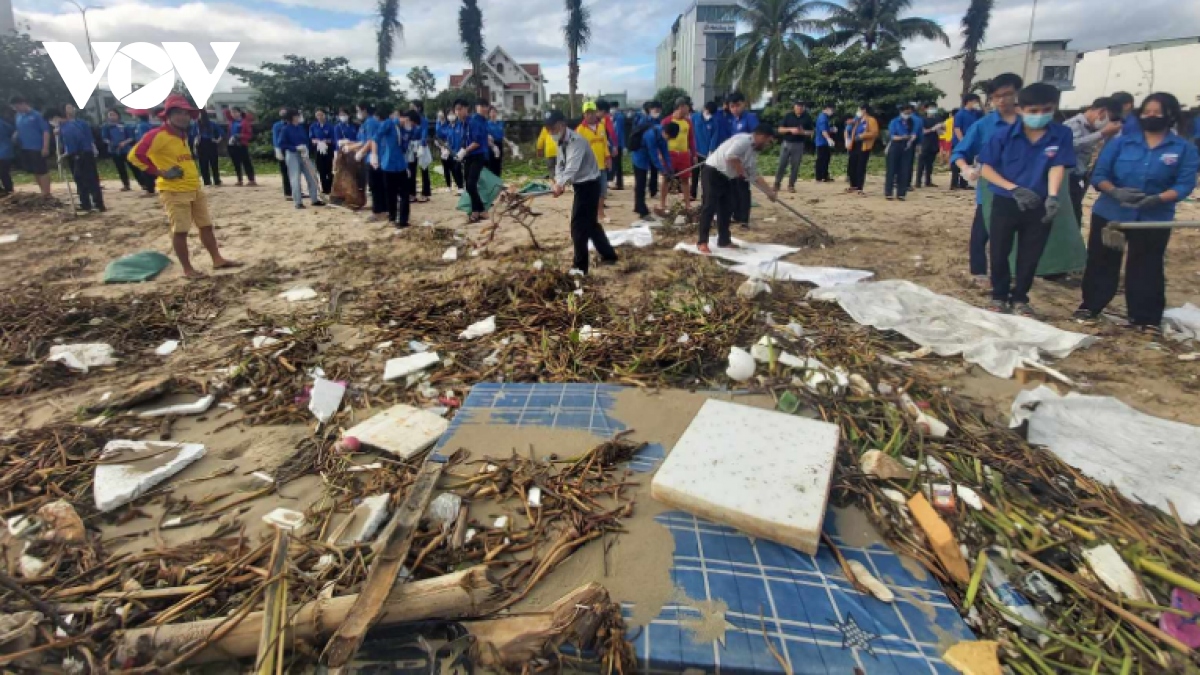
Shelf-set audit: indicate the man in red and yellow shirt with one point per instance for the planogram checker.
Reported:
(164, 153)
(683, 154)
(593, 130)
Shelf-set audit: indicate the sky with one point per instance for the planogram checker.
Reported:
(625, 33)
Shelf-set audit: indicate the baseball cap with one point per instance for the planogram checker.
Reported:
(590, 106)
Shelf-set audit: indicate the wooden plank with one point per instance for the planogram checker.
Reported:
(390, 552)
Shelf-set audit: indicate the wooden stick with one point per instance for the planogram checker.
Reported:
(274, 609)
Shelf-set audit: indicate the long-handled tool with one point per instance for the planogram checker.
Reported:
(1114, 233)
(58, 156)
(807, 221)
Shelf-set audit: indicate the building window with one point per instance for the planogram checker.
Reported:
(535, 101)
(500, 68)
(1056, 73)
(716, 13)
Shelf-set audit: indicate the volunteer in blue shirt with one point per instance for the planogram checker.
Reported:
(392, 140)
(495, 127)
(320, 133)
(205, 135)
(964, 119)
(1141, 176)
(651, 152)
(823, 138)
(1196, 129)
(344, 130)
(280, 156)
(7, 154)
(370, 118)
(932, 126)
(1025, 164)
(914, 148)
(703, 125)
(449, 131)
(1002, 92)
(738, 120)
(140, 129)
(1129, 119)
(618, 123)
(80, 150)
(651, 115)
(474, 153)
(241, 131)
(293, 145)
(902, 136)
(33, 142)
(421, 140)
(117, 141)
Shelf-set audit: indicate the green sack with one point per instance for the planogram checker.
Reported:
(141, 266)
(489, 189)
(1065, 251)
(534, 187)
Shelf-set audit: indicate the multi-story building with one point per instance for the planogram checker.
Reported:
(1049, 61)
(701, 39)
(508, 85)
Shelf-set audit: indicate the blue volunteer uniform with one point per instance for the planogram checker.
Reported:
(277, 130)
(823, 128)
(7, 150)
(1028, 164)
(703, 130)
(618, 121)
(975, 140)
(964, 119)
(344, 131)
(76, 136)
(477, 132)
(141, 129)
(651, 154)
(291, 137)
(321, 132)
(451, 134)
(113, 135)
(30, 127)
(1196, 129)
(496, 130)
(392, 141)
(366, 132)
(897, 127)
(1128, 161)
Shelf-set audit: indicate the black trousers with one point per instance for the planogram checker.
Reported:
(585, 225)
(324, 166)
(453, 172)
(6, 182)
(719, 202)
(1026, 228)
(653, 188)
(899, 170)
(206, 157)
(696, 176)
(413, 169)
(618, 170)
(957, 182)
(1078, 187)
(376, 183)
(741, 201)
(857, 165)
(240, 156)
(495, 162)
(87, 180)
(1145, 281)
(287, 183)
(925, 166)
(824, 154)
(122, 165)
(640, 179)
(475, 166)
(979, 244)
(396, 192)
(145, 180)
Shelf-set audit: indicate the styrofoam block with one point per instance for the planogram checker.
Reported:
(763, 472)
(119, 484)
(368, 516)
(404, 366)
(326, 398)
(197, 407)
(83, 356)
(299, 294)
(401, 430)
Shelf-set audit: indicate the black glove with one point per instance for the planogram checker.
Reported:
(1126, 196)
(1051, 209)
(173, 173)
(1027, 200)
(1147, 202)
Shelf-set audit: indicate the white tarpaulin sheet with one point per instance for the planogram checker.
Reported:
(1146, 458)
(996, 342)
(785, 271)
(742, 251)
(641, 237)
(1183, 322)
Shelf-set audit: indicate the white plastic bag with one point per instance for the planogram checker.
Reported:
(424, 158)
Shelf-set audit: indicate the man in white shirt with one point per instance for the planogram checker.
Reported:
(577, 167)
(736, 158)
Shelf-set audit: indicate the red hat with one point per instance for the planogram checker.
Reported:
(178, 101)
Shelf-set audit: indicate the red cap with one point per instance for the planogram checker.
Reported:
(178, 101)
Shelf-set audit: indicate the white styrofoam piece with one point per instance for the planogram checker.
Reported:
(119, 484)
(299, 294)
(763, 472)
(326, 398)
(261, 341)
(1110, 568)
(10, 238)
(197, 407)
(284, 519)
(167, 348)
(368, 516)
(451, 254)
(401, 430)
(404, 366)
(83, 356)
(479, 329)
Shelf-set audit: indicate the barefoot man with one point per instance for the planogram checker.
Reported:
(164, 153)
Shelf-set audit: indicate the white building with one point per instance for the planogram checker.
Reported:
(700, 40)
(1049, 61)
(240, 97)
(8, 22)
(508, 85)
(1139, 68)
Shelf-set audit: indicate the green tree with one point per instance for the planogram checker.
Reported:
(669, 94)
(306, 84)
(422, 81)
(875, 23)
(974, 29)
(26, 69)
(852, 77)
(776, 42)
(470, 33)
(577, 32)
(389, 29)
(444, 101)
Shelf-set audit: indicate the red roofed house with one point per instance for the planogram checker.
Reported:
(510, 86)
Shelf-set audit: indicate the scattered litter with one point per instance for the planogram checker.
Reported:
(299, 294)
(416, 346)
(9, 238)
(587, 333)
(167, 348)
(974, 657)
(501, 523)
(538, 265)
(1182, 323)
(83, 357)
(741, 365)
(368, 516)
(62, 523)
(638, 237)
(444, 508)
(451, 254)
(795, 329)
(1002, 590)
(883, 466)
(860, 386)
(1108, 566)
(821, 277)
(1040, 589)
(401, 430)
(743, 252)
(928, 424)
(118, 484)
(263, 477)
(404, 366)
(479, 329)
(969, 497)
(535, 497)
(197, 407)
(1186, 629)
(941, 539)
(284, 519)
(875, 586)
(942, 498)
(326, 398)
(261, 341)
(135, 267)
(752, 288)
(1194, 356)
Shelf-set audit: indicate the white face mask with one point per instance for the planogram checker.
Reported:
(707, 116)
(361, 116)
(906, 115)
(302, 119)
(858, 115)
(343, 118)
(654, 114)
(452, 117)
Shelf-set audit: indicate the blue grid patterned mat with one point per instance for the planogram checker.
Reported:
(814, 618)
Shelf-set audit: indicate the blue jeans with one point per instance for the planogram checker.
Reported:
(296, 166)
(979, 244)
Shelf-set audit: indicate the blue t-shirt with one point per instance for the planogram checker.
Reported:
(30, 127)
(277, 133)
(344, 131)
(654, 148)
(975, 141)
(477, 132)
(292, 136)
(114, 134)
(899, 127)
(392, 141)
(140, 130)
(822, 129)
(496, 130)
(1129, 162)
(320, 132)
(76, 136)
(963, 120)
(1028, 164)
(7, 151)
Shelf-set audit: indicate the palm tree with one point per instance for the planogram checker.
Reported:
(470, 33)
(389, 29)
(974, 28)
(577, 31)
(776, 42)
(877, 22)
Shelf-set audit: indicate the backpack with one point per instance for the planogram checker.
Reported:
(639, 134)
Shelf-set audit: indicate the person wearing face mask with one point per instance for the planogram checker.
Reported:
(1141, 176)
(577, 167)
(1024, 165)
(825, 143)
(703, 127)
(933, 127)
(280, 154)
(964, 119)
(737, 119)
(294, 142)
(344, 130)
(392, 140)
(592, 130)
(474, 153)
(421, 143)
(450, 132)
(862, 132)
(902, 132)
(1089, 129)
(366, 151)
(348, 179)
(320, 132)
(650, 117)
(116, 139)
(241, 131)
(795, 128)
(75, 136)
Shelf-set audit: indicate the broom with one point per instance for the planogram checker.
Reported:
(1114, 233)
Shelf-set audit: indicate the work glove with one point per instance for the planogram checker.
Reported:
(1051, 209)
(1126, 196)
(1147, 202)
(360, 154)
(374, 161)
(343, 143)
(279, 154)
(1027, 200)
(323, 147)
(445, 154)
(173, 173)
(462, 154)
(96, 152)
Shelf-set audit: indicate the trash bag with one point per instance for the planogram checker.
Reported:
(490, 188)
(345, 181)
(534, 187)
(424, 157)
(1065, 251)
(136, 267)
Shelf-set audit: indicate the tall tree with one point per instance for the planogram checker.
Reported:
(306, 84)
(389, 30)
(974, 28)
(776, 42)
(470, 33)
(26, 69)
(874, 23)
(577, 31)
(669, 94)
(422, 81)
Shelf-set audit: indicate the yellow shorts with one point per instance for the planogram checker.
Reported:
(185, 209)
